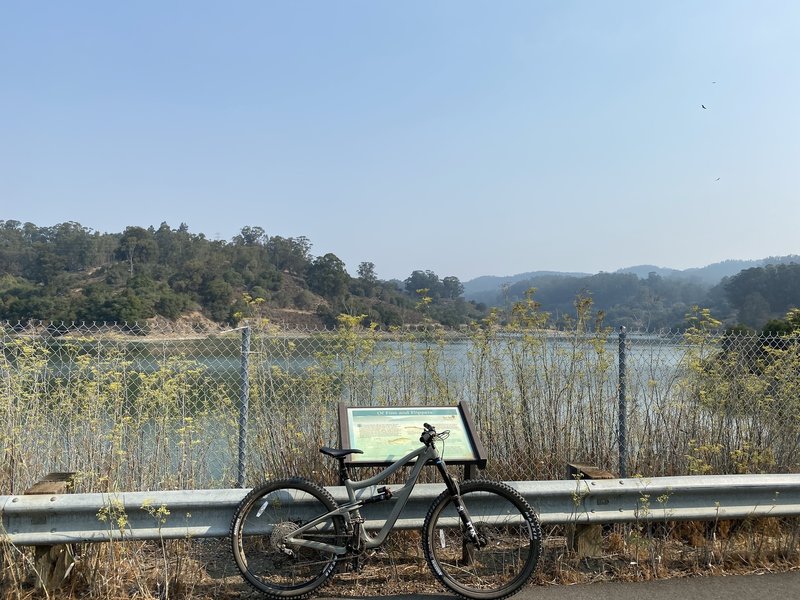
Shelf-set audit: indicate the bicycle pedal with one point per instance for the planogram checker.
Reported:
(353, 565)
(360, 561)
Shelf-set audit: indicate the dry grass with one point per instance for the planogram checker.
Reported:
(203, 569)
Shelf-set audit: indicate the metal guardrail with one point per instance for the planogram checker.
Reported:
(70, 518)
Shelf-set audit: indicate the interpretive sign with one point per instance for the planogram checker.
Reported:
(386, 433)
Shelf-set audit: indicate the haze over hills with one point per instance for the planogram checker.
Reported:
(487, 286)
(493, 283)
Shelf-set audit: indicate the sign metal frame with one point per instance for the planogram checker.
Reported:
(402, 425)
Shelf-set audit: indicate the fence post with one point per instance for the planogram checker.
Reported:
(244, 405)
(623, 434)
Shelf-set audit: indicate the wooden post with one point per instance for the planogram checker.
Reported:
(586, 540)
(53, 563)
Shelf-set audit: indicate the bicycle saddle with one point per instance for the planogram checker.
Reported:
(339, 452)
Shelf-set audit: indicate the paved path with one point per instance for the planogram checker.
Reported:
(777, 586)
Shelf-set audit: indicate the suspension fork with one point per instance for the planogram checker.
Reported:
(463, 514)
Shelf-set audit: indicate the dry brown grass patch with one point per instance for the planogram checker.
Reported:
(204, 569)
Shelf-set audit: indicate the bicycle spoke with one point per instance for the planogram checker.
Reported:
(510, 534)
(263, 527)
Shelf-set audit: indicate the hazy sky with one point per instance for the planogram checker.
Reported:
(465, 137)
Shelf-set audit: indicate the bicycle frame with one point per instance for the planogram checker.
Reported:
(350, 512)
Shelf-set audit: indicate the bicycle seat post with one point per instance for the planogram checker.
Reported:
(344, 472)
(340, 454)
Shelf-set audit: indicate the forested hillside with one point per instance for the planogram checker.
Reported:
(750, 298)
(70, 273)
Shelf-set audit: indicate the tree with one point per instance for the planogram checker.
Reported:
(250, 236)
(754, 310)
(218, 299)
(367, 278)
(74, 244)
(761, 293)
(452, 288)
(136, 243)
(289, 254)
(424, 280)
(788, 326)
(47, 264)
(327, 276)
(453, 313)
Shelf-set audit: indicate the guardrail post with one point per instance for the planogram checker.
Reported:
(53, 562)
(244, 406)
(623, 434)
(586, 540)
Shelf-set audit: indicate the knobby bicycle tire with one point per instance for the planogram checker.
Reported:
(265, 517)
(511, 541)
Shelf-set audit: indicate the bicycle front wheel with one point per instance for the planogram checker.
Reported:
(510, 541)
(262, 522)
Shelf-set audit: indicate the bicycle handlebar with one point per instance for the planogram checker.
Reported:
(428, 434)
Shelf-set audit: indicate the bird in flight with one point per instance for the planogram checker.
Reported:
(717, 179)
(704, 106)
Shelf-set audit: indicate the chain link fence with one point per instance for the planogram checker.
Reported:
(131, 408)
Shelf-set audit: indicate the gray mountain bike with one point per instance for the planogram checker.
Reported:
(481, 539)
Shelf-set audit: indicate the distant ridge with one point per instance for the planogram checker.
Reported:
(643, 271)
(493, 283)
(710, 274)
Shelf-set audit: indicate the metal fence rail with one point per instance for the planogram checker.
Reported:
(71, 518)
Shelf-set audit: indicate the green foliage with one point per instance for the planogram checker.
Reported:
(751, 297)
(452, 288)
(737, 379)
(441, 300)
(217, 297)
(68, 272)
(623, 298)
(789, 325)
(367, 280)
(764, 293)
(327, 276)
(424, 280)
(136, 244)
(289, 254)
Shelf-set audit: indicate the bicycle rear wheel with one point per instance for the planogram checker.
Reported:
(510, 534)
(260, 525)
